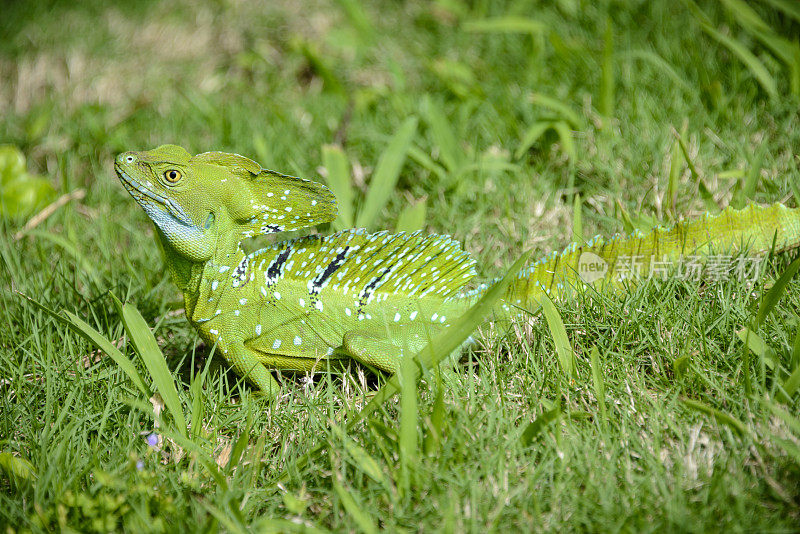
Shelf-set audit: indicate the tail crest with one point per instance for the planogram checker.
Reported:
(699, 247)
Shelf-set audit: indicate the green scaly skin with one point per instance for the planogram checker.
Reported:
(371, 297)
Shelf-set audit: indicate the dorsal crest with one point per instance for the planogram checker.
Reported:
(266, 202)
(237, 164)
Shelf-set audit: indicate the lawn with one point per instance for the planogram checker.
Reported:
(510, 125)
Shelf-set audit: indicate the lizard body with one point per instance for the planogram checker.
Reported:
(368, 296)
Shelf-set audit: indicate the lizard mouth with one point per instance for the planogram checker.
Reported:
(146, 197)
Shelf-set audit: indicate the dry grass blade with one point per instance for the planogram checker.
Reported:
(48, 210)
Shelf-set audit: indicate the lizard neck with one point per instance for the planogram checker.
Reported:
(185, 273)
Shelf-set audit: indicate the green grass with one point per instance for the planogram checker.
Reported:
(647, 110)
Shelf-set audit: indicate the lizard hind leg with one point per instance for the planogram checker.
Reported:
(381, 351)
(247, 363)
(386, 355)
(374, 351)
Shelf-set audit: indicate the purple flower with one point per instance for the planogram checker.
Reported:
(139, 465)
(152, 439)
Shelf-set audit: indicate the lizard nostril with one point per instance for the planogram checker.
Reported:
(129, 159)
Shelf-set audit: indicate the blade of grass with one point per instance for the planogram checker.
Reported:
(753, 64)
(443, 136)
(318, 64)
(705, 192)
(362, 459)
(608, 81)
(437, 421)
(773, 296)
(720, 416)
(675, 168)
(509, 24)
(746, 15)
(147, 347)
(17, 468)
(231, 525)
(412, 218)
(625, 219)
(104, 344)
(386, 173)
(354, 509)
(657, 61)
(789, 387)
(566, 356)
(241, 443)
(358, 19)
(536, 426)
(791, 421)
(562, 109)
(70, 248)
(795, 362)
(789, 7)
(198, 407)
(577, 220)
(565, 136)
(750, 182)
(599, 383)
(409, 415)
(98, 340)
(748, 380)
(536, 130)
(425, 160)
(335, 162)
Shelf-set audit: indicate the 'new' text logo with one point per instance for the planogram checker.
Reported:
(591, 267)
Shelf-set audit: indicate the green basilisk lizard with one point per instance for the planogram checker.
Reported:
(367, 296)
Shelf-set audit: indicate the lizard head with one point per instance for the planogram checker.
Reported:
(197, 200)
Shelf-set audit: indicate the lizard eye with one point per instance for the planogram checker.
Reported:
(172, 176)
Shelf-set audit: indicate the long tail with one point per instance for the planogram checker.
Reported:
(730, 244)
